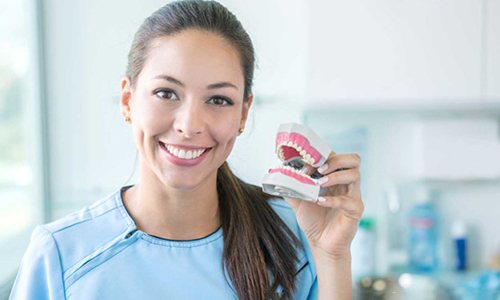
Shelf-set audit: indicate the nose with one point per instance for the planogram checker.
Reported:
(189, 119)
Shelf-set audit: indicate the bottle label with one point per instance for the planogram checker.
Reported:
(421, 223)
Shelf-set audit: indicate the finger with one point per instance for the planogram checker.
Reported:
(340, 161)
(340, 177)
(343, 202)
(309, 169)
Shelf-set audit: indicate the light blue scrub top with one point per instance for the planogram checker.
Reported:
(98, 253)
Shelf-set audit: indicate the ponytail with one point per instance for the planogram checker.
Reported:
(258, 245)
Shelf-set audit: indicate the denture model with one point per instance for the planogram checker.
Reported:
(296, 146)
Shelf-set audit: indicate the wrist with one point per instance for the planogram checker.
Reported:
(333, 273)
(338, 254)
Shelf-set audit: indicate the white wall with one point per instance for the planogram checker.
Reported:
(91, 149)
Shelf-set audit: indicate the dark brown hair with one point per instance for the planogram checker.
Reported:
(259, 248)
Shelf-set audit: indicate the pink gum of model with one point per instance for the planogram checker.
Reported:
(296, 142)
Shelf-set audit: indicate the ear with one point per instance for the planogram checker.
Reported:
(126, 96)
(246, 108)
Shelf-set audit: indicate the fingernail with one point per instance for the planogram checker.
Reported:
(321, 199)
(323, 168)
(323, 180)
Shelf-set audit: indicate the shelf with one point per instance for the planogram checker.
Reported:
(440, 183)
(464, 107)
(461, 181)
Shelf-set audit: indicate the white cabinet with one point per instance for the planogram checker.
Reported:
(492, 53)
(458, 149)
(391, 50)
(278, 30)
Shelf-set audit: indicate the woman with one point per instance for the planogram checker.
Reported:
(190, 229)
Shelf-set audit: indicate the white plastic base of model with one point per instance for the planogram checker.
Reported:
(314, 140)
(281, 185)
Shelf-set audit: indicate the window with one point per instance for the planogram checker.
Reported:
(20, 132)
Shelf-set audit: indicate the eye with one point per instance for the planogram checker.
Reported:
(220, 101)
(165, 94)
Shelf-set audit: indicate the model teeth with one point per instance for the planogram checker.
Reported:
(281, 154)
(307, 157)
(301, 172)
(184, 154)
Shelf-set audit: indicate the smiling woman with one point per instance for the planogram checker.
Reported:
(188, 221)
(189, 228)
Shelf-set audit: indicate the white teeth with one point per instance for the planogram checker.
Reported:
(184, 154)
(307, 157)
(301, 172)
(282, 154)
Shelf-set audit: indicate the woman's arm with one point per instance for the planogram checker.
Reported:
(331, 223)
(334, 276)
(40, 274)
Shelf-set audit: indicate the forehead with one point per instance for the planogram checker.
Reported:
(194, 57)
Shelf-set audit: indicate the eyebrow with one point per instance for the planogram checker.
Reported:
(212, 86)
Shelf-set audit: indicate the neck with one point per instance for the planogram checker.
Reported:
(177, 214)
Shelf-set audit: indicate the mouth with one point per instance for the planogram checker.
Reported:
(184, 152)
(295, 149)
(301, 152)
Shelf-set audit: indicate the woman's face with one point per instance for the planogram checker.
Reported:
(186, 107)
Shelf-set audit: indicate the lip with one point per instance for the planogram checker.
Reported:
(184, 162)
(186, 147)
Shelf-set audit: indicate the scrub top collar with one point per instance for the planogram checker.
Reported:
(134, 233)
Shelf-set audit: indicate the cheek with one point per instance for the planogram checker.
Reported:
(227, 134)
(149, 120)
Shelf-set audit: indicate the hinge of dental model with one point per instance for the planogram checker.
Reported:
(296, 146)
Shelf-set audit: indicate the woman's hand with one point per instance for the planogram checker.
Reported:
(331, 223)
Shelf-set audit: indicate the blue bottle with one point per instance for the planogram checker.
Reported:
(423, 234)
(459, 234)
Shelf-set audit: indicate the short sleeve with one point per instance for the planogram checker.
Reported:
(40, 275)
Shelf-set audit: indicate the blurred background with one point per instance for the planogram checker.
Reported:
(412, 86)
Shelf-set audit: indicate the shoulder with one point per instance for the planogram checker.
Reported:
(78, 234)
(88, 214)
(286, 213)
(41, 246)
(306, 271)
(40, 275)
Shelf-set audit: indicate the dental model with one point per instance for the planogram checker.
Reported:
(296, 146)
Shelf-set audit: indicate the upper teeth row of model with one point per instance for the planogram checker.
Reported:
(300, 172)
(184, 154)
(307, 157)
